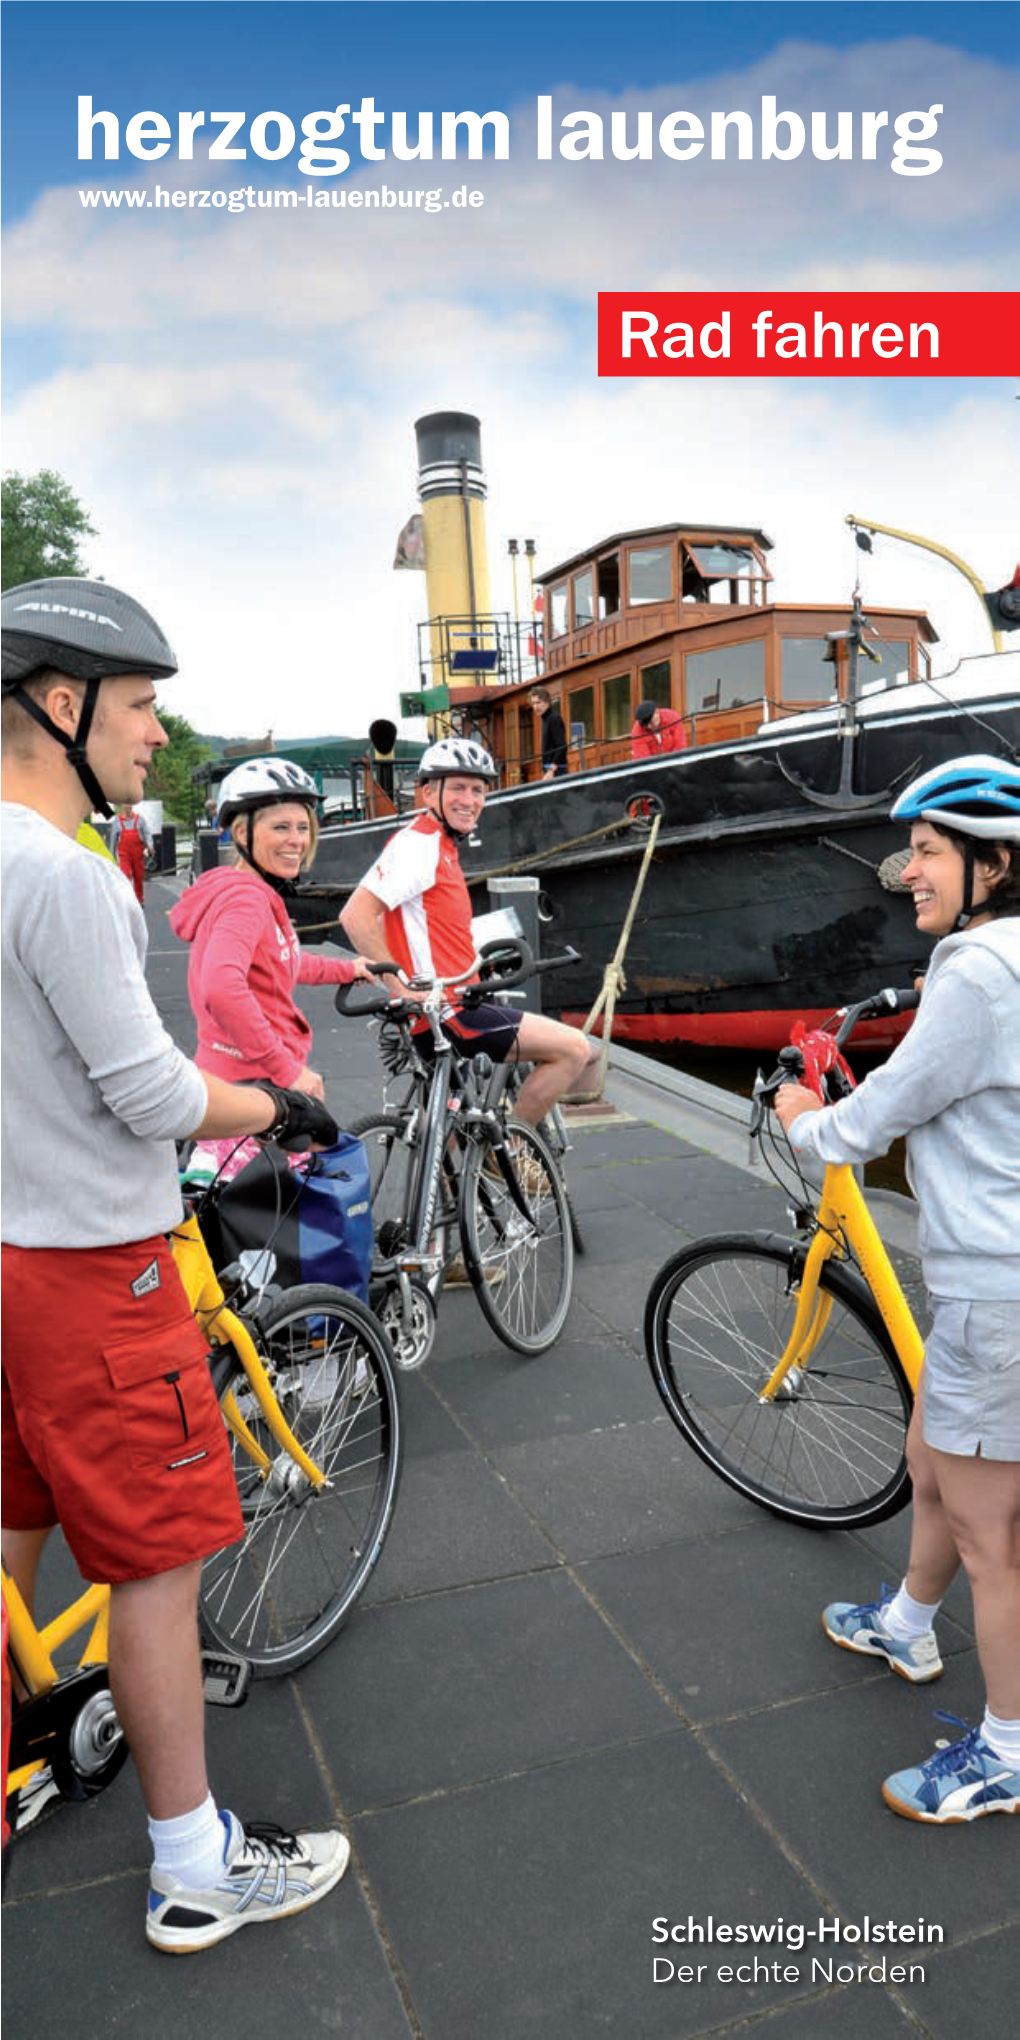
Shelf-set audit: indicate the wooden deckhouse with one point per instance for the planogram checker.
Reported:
(680, 614)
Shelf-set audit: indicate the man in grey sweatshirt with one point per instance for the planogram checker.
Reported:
(953, 1087)
(110, 1422)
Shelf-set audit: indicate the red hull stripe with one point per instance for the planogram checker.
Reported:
(740, 1030)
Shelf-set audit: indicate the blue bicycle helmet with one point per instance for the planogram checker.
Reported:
(976, 796)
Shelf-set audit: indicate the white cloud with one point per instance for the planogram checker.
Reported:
(233, 395)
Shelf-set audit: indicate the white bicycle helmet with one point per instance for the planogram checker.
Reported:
(263, 782)
(457, 758)
(976, 796)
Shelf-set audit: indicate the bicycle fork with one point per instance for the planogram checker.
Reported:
(810, 1320)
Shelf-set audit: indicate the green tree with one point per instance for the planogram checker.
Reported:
(42, 523)
(169, 776)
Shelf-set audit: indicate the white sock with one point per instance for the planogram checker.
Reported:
(906, 1618)
(190, 1847)
(1003, 1737)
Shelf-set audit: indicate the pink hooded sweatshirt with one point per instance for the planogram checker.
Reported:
(245, 960)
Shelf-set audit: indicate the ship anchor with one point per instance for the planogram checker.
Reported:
(844, 796)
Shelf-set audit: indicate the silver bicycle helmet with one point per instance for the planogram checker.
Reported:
(263, 782)
(457, 758)
(260, 783)
(89, 631)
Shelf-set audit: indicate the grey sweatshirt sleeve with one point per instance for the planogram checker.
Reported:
(104, 1008)
(944, 1057)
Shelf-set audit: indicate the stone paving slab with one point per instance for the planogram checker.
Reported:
(553, 1878)
(734, 1623)
(505, 1678)
(814, 1769)
(625, 1489)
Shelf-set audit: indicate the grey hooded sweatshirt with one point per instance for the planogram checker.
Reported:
(953, 1087)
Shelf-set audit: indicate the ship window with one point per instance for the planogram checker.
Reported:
(584, 598)
(923, 662)
(582, 710)
(616, 715)
(724, 573)
(651, 574)
(558, 611)
(609, 585)
(729, 676)
(655, 684)
(807, 675)
(894, 661)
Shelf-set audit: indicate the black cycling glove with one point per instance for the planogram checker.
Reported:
(300, 1122)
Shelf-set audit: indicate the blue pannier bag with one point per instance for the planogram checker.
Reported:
(312, 1223)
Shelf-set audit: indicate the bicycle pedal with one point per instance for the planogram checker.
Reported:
(225, 1680)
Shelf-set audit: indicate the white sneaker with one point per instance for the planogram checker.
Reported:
(34, 1797)
(267, 1875)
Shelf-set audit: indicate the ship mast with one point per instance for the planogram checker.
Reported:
(865, 524)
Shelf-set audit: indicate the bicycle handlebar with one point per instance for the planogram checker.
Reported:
(880, 1005)
(499, 966)
(791, 1062)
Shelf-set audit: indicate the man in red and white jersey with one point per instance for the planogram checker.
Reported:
(413, 905)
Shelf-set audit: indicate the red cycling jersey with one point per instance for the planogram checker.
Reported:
(420, 883)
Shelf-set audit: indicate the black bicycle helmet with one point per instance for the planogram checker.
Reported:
(89, 631)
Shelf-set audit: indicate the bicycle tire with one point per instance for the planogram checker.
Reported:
(831, 1452)
(392, 1159)
(523, 1273)
(280, 1593)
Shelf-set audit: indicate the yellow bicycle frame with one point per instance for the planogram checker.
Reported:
(843, 1217)
(32, 1650)
(225, 1328)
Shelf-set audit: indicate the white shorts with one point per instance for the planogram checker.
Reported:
(972, 1378)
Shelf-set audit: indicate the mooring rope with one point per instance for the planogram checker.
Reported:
(614, 980)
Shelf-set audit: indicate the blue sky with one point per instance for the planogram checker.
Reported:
(233, 395)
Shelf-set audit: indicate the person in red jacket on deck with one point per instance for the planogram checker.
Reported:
(245, 955)
(656, 729)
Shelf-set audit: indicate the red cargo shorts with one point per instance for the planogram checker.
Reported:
(110, 1421)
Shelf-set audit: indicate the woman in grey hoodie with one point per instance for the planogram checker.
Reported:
(953, 1087)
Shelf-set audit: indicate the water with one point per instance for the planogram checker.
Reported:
(735, 1070)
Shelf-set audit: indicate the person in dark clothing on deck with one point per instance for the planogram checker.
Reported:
(554, 734)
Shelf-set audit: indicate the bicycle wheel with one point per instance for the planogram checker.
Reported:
(391, 1158)
(279, 1594)
(829, 1450)
(522, 1268)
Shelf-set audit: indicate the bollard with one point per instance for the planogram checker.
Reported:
(521, 894)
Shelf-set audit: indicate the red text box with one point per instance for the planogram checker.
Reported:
(820, 333)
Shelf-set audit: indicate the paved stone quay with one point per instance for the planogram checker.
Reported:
(588, 1690)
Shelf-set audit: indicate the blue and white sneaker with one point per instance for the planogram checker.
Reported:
(961, 1781)
(267, 1875)
(861, 1627)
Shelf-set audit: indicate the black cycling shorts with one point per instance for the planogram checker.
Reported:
(474, 1028)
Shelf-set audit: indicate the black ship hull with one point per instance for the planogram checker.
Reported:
(762, 900)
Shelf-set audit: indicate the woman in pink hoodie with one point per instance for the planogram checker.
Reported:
(245, 956)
